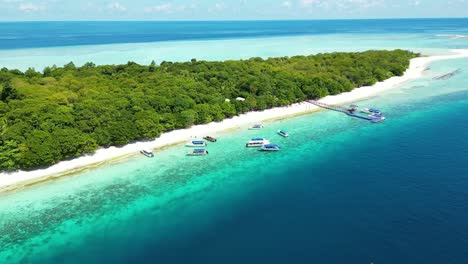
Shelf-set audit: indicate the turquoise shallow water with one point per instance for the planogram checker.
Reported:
(225, 49)
(341, 191)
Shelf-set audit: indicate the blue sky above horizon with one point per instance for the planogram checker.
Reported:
(30, 10)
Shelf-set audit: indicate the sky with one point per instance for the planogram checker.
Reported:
(31, 10)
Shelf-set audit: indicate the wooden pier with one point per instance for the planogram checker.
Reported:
(351, 111)
(331, 107)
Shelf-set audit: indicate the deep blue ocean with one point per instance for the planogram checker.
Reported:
(340, 191)
(17, 35)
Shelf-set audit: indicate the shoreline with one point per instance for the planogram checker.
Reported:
(20, 179)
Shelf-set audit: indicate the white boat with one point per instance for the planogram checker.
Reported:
(270, 147)
(378, 119)
(196, 143)
(210, 138)
(256, 127)
(257, 142)
(365, 110)
(371, 111)
(197, 152)
(283, 133)
(147, 153)
(374, 115)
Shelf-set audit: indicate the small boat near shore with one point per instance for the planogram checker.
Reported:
(197, 152)
(283, 133)
(257, 142)
(270, 147)
(147, 153)
(371, 111)
(210, 138)
(352, 108)
(196, 143)
(256, 127)
(374, 115)
(377, 119)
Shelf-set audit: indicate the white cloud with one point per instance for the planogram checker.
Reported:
(219, 7)
(117, 7)
(287, 4)
(342, 4)
(30, 7)
(365, 3)
(309, 2)
(167, 7)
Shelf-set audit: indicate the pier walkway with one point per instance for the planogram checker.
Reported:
(331, 107)
(351, 111)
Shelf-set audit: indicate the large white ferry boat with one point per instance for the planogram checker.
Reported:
(197, 152)
(257, 142)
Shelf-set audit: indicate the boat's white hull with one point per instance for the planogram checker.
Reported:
(254, 145)
(366, 111)
(197, 154)
(256, 127)
(270, 147)
(283, 134)
(211, 139)
(378, 119)
(257, 142)
(264, 149)
(195, 146)
(147, 154)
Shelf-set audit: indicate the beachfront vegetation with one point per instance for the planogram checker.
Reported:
(64, 112)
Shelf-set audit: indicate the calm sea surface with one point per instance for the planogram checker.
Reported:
(341, 190)
(55, 34)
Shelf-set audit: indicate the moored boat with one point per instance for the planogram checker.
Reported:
(210, 138)
(196, 143)
(365, 110)
(371, 111)
(257, 142)
(377, 119)
(270, 147)
(256, 127)
(197, 152)
(148, 153)
(283, 133)
(353, 108)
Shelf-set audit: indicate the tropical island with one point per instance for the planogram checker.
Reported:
(65, 112)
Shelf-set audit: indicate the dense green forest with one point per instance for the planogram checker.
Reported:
(64, 112)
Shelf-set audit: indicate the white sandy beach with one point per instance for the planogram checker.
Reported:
(9, 181)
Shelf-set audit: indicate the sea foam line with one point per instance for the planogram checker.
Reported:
(19, 179)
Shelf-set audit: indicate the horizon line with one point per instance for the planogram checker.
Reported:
(233, 20)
